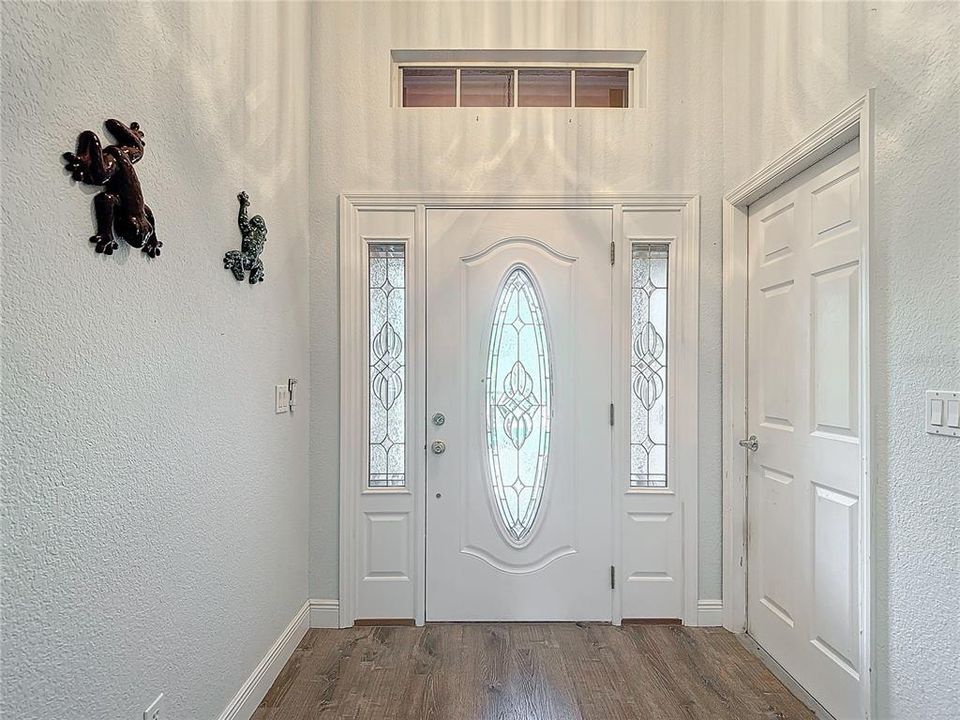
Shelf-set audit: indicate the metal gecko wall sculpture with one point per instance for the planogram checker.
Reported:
(254, 235)
(119, 209)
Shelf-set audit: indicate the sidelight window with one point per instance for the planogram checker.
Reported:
(648, 365)
(387, 306)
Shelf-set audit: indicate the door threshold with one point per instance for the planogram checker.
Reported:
(518, 622)
(789, 682)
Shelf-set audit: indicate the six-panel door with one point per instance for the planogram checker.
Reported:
(804, 400)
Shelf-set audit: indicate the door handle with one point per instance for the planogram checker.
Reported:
(439, 447)
(751, 443)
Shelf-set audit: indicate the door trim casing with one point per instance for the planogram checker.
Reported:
(853, 122)
(353, 378)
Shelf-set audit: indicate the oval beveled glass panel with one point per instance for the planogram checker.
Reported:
(518, 404)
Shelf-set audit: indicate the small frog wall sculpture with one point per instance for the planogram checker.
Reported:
(119, 209)
(253, 232)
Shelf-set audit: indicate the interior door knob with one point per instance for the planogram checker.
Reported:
(751, 443)
(439, 447)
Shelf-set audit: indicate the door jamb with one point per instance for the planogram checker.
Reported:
(854, 121)
(352, 378)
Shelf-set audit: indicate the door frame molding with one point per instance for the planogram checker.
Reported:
(854, 121)
(353, 373)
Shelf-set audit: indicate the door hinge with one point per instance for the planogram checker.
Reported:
(613, 252)
(611, 414)
(613, 577)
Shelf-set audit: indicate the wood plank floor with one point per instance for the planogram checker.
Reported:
(526, 672)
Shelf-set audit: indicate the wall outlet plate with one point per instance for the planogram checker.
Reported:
(153, 712)
(283, 399)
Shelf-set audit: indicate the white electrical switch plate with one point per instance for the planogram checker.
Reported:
(153, 712)
(942, 414)
(283, 399)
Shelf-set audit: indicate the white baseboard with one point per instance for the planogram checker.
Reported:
(251, 693)
(324, 613)
(709, 613)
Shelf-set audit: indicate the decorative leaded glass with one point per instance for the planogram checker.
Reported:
(519, 394)
(648, 372)
(387, 361)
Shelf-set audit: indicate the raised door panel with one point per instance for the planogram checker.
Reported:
(834, 629)
(777, 233)
(776, 539)
(835, 354)
(777, 354)
(652, 584)
(835, 203)
(385, 547)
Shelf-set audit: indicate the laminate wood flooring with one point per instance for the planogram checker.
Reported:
(526, 671)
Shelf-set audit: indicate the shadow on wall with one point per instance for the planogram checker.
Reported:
(248, 47)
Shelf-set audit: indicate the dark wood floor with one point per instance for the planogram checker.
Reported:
(526, 672)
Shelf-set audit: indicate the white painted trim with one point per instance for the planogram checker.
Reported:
(418, 407)
(710, 613)
(734, 418)
(352, 370)
(854, 121)
(440, 200)
(835, 133)
(255, 687)
(869, 387)
(618, 375)
(687, 458)
(324, 613)
(351, 407)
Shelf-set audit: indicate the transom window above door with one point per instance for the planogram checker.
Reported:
(511, 79)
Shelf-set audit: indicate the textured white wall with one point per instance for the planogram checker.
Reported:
(787, 69)
(361, 144)
(154, 507)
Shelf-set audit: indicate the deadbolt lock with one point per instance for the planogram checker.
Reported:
(438, 419)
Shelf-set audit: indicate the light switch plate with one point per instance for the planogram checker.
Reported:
(283, 399)
(942, 412)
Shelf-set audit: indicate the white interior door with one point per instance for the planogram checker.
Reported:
(519, 367)
(804, 397)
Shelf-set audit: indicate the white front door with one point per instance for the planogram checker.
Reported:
(518, 391)
(804, 397)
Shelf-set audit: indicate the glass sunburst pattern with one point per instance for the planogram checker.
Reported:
(519, 394)
(648, 366)
(386, 281)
